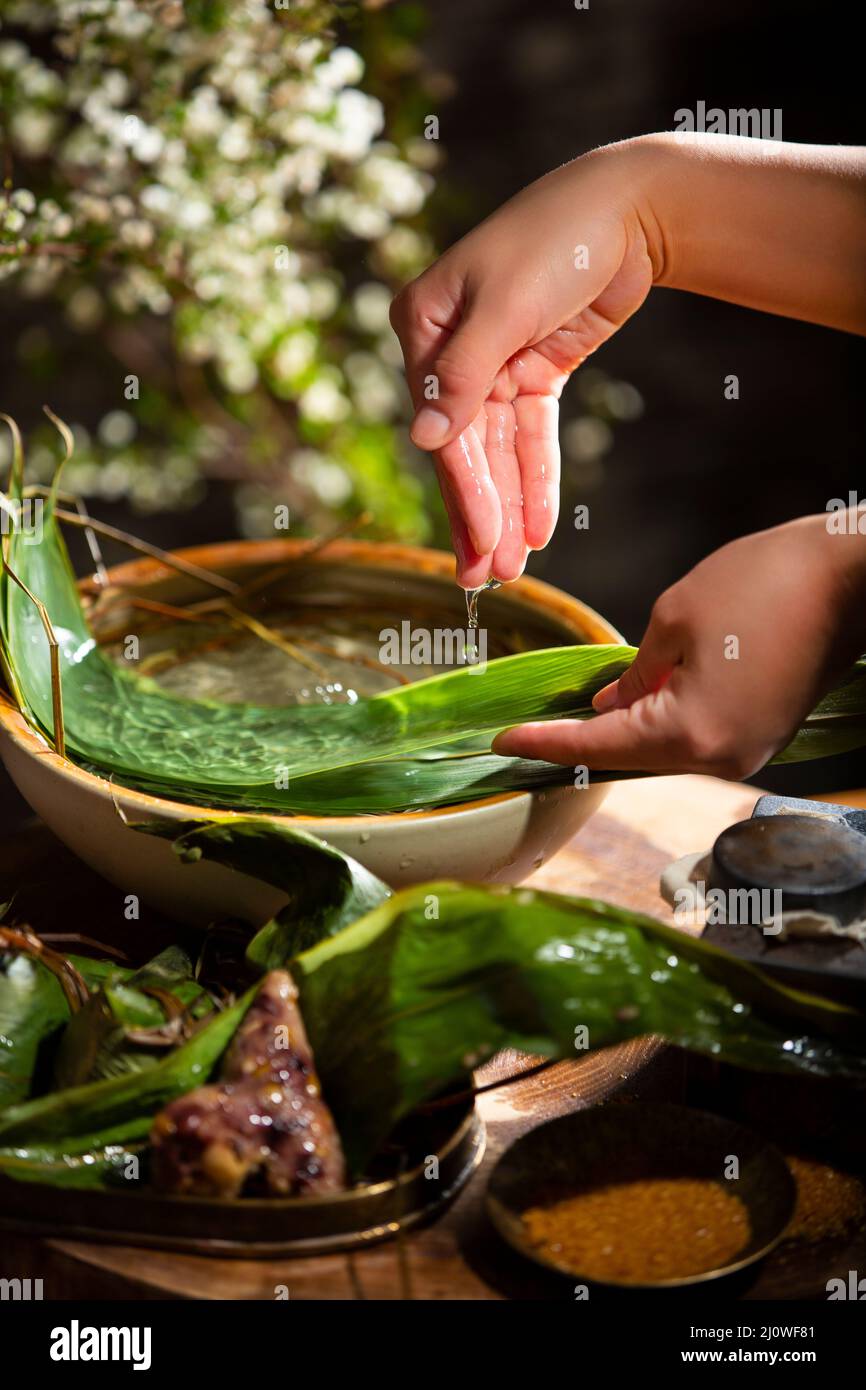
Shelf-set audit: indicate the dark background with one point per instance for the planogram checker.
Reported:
(536, 82)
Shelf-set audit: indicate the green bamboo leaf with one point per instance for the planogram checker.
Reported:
(326, 889)
(294, 760)
(244, 755)
(96, 1044)
(439, 978)
(435, 979)
(96, 1123)
(33, 1010)
(402, 1003)
(99, 1168)
(837, 724)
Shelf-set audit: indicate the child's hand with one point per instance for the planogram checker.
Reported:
(499, 322)
(735, 656)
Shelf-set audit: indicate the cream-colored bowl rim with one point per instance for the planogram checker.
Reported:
(224, 556)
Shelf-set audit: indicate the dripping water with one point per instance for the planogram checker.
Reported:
(472, 597)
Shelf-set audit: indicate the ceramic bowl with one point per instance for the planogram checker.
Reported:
(637, 1142)
(499, 839)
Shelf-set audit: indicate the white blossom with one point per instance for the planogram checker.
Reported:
(294, 354)
(183, 156)
(371, 303)
(322, 474)
(324, 402)
(342, 68)
(117, 428)
(33, 130)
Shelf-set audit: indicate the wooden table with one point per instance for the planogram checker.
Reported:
(617, 856)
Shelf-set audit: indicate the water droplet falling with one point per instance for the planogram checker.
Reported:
(472, 597)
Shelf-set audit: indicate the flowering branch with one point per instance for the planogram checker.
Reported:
(219, 169)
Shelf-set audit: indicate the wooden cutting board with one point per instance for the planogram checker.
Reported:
(618, 856)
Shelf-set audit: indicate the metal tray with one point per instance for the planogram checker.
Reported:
(403, 1196)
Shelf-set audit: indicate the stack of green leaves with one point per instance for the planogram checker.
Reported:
(404, 994)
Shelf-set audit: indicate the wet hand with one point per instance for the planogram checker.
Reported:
(492, 331)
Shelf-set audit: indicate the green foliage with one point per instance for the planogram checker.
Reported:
(80, 1135)
(125, 1024)
(33, 1011)
(327, 890)
(195, 189)
(402, 1001)
(440, 977)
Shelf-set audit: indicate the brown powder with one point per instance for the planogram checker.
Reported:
(828, 1202)
(647, 1231)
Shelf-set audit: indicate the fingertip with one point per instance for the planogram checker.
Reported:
(539, 524)
(473, 571)
(504, 742)
(484, 533)
(507, 568)
(606, 699)
(520, 740)
(431, 428)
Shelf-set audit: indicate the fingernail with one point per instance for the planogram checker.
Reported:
(605, 699)
(429, 428)
(502, 743)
